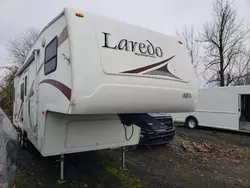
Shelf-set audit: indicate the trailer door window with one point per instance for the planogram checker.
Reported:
(50, 62)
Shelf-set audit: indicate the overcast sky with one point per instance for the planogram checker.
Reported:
(161, 15)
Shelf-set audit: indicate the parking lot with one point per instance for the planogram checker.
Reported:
(196, 158)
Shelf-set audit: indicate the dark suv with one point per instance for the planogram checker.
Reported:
(160, 131)
(156, 129)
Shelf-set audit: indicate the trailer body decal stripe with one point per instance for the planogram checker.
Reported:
(63, 36)
(63, 88)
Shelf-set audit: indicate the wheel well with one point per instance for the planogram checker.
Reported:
(191, 117)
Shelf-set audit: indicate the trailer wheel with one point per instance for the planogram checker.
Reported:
(19, 138)
(25, 141)
(22, 139)
(192, 122)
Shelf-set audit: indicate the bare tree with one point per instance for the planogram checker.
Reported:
(188, 37)
(18, 49)
(20, 46)
(226, 55)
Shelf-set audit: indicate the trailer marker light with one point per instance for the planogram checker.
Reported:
(79, 15)
(180, 42)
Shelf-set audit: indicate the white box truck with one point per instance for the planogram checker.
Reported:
(222, 107)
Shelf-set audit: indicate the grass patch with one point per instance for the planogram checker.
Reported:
(230, 135)
(127, 180)
(181, 139)
(207, 131)
(20, 181)
(247, 150)
(221, 133)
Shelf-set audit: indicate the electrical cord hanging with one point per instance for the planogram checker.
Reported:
(126, 136)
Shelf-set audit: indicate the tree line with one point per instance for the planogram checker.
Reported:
(225, 45)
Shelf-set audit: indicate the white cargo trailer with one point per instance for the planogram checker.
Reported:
(222, 107)
(85, 74)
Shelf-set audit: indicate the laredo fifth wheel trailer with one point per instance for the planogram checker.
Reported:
(86, 74)
(222, 107)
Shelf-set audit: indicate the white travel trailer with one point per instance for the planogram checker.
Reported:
(222, 107)
(84, 70)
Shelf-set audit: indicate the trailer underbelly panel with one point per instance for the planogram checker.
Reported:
(77, 133)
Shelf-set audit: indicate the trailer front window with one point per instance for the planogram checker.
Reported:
(50, 62)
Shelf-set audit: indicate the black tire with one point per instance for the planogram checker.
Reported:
(22, 139)
(25, 141)
(192, 123)
(19, 137)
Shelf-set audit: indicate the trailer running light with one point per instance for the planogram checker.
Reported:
(180, 42)
(79, 15)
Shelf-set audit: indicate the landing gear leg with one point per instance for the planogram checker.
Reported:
(123, 167)
(61, 180)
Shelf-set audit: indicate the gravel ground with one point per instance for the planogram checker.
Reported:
(196, 158)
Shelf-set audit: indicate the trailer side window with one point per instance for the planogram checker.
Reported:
(22, 92)
(50, 62)
(25, 86)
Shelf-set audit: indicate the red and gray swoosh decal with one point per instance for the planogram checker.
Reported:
(141, 69)
(163, 71)
(60, 86)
